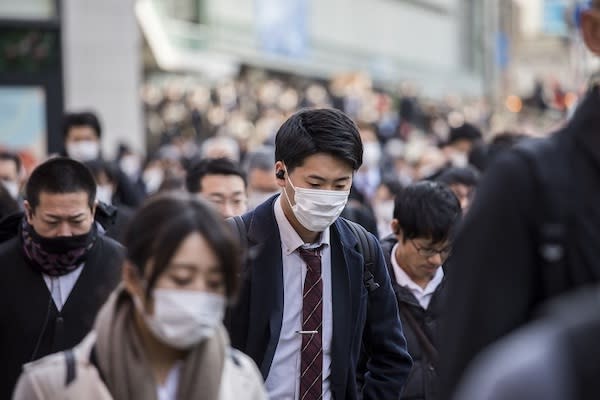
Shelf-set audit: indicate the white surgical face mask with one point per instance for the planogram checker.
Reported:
(130, 165)
(84, 150)
(317, 209)
(153, 178)
(12, 188)
(371, 154)
(104, 193)
(184, 318)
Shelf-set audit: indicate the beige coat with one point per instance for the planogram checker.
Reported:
(45, 379)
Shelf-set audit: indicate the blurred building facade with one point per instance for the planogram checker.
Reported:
(439, 44)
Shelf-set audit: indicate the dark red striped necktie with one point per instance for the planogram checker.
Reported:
(311, 355)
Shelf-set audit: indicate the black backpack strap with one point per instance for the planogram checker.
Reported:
(368, 250)
(547, 159)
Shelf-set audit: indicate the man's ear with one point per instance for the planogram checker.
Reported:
(28, 211)
(395, 225)
(590, 29)
(280, 173)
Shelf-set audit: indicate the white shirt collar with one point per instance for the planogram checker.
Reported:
(404, 280)
(290, 239)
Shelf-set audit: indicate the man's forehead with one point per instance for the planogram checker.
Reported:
(63, 200)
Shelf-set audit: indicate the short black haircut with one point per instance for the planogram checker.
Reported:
(313, 131)
(85, 118)
(467, 176)
(211, 166)
(9, 156)
(465, 132)
(159, 227)
(60, 175)
(427, 210)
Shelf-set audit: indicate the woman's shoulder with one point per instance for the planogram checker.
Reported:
(49, 376)
(241, 377)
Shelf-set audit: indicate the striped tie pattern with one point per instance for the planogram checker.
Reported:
(311, 365)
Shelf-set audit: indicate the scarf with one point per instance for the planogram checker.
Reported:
(56, 256)
(125, 369)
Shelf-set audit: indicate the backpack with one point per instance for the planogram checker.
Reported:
(366, 247)
(549, 163)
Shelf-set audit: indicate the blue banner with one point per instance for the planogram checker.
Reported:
(282, 27)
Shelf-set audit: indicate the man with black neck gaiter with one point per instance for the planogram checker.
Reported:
(56, 272)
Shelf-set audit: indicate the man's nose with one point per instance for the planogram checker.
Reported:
(64, 229)
(227, 210)
(435, 259)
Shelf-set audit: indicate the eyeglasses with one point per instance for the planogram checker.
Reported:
(428, 253)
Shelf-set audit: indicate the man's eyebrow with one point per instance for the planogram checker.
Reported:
(320, 178)
(53, 216)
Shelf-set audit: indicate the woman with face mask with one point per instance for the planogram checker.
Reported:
(160, 335)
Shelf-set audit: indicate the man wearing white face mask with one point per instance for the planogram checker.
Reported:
(82, 134)
(305, 309)
(10, 168)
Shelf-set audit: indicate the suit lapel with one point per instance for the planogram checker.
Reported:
(346, 289)
(266, 291)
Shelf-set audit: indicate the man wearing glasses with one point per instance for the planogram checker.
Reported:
(425, 216)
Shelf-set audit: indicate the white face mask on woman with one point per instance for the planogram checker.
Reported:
(317, 209)
(183, 318)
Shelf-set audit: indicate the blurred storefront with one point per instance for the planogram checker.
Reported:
(31, 91)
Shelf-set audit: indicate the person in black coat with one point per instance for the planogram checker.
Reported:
(57, 269)
(553, 358)
(82, 133)
(425, 217)
(498, 275)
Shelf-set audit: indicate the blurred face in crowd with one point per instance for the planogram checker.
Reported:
(186, 271)
(226, 192)
(464, 193)
(262, 184)
(590, 27)
(9, 176)
(419, 257)
(61, 214)
(82, 143)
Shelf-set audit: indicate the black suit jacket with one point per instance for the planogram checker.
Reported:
(359, 317)
(28, 315)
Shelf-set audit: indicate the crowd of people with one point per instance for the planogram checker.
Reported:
(295, 239)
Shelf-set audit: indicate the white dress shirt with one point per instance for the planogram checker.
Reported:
(283, 381)
(423, 295)
(61, 286)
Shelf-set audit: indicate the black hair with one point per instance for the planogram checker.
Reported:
(467, 176)
(60, 175)
(211, 166)
(85, 118)
(427, 210)
(465, 132)
(8, 156)
(313, 131)
(99, 166)
(159, 227)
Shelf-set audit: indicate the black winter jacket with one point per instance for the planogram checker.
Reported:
(422, 381)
